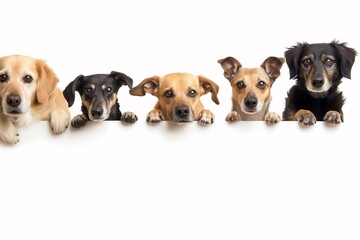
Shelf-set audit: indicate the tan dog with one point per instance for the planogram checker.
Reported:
(178, 97)
(29, 93)
(251, 89)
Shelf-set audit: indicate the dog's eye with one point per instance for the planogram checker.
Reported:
(27, 79)
(261, 85)
(88, 90)
(108, 90)
(169, 94)
(307, 62)
(192, 93)
(3, 77)
(240, 85)
(329, 62)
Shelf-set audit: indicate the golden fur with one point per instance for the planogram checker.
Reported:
(251, 89)
(29, 93)
(178, 97)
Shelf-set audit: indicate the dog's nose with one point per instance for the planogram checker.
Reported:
(96, 113)
(182, 111)
(251, 102)
(13, 100)
(317, 82)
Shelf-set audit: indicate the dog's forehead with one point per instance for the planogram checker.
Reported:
(318, 49)
(97, 79)
(252, 74)
(181, 80)
(18, 64)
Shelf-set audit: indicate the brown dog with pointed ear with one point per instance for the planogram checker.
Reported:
(251, 89)
(28, 93)
(178, 97)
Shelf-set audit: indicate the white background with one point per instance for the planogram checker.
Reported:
(224, 181)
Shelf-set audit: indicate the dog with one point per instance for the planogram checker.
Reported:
(318, 69)
(178, 97)
(99, 99)
(251, 89)
(29, 93)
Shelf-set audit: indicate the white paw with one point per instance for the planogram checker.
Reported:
(59, 121)
(206, 118)
(9, 134)
(272, 118)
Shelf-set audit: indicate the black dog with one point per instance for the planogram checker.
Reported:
(318, 69)
(99, 98)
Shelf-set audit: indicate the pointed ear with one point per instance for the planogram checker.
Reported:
(122, 78)
(148, 85)
(231, 67)
(292, 56)
(47, 81)
(272, 66)
(69, 91)
(346, 56)
(209, 86)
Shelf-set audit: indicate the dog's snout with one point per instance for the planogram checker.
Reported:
(97, 112)
(251, 101)
(317, 82)
(182, 111)
(13, 100)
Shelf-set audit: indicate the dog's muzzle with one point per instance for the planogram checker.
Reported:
(183, 114)
(13, 102)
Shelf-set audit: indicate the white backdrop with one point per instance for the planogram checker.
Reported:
(224, 181)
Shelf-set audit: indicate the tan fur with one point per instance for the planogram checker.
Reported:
(40, 98)
(251, 84)
(180, 84)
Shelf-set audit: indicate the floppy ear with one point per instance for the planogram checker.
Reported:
(292, 56)
(209, 86)
(122, 78)
(46, 83)
(231, 66)
(346, 56)
(148, 85)
(69, 91)
(272, 66)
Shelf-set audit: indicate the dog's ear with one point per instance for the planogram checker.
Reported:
(122, 78)
(69, 91)
(272, 66)
(148, 85)
(209, 86)
(292, 57)
(47, 81)
(346, 56)
(231, 66)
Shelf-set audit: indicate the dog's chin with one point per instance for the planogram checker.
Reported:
(250, 110)
(318, 94)
(12, 112)
(100, 119)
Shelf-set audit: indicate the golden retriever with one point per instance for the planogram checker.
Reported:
(29, 93)
(178, 97)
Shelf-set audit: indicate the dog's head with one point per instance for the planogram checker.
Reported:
(98, 93)
(251, 86)
(178, 94)
(321, 66)
(24, 81)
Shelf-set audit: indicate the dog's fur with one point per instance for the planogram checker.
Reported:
(178, 97)
(318, 69)
(29, 93)
(251, 89)
(99, 99)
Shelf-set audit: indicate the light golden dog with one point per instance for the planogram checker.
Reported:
(251, 89)
(178, 97)
(29, 93)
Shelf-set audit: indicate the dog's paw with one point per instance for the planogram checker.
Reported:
(305, 117)
(333, 117)
(9, 135)
(272, 118)
(59, 121)
(233, 117)
(206, 117)
(154, 116)
(129, 117)
(79, 121)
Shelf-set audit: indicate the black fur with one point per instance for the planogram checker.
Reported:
(318, 70)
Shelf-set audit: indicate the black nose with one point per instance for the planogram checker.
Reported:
(182, 111)
(317, 82)
(13, 100)
(251, 102)
(96, 113)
